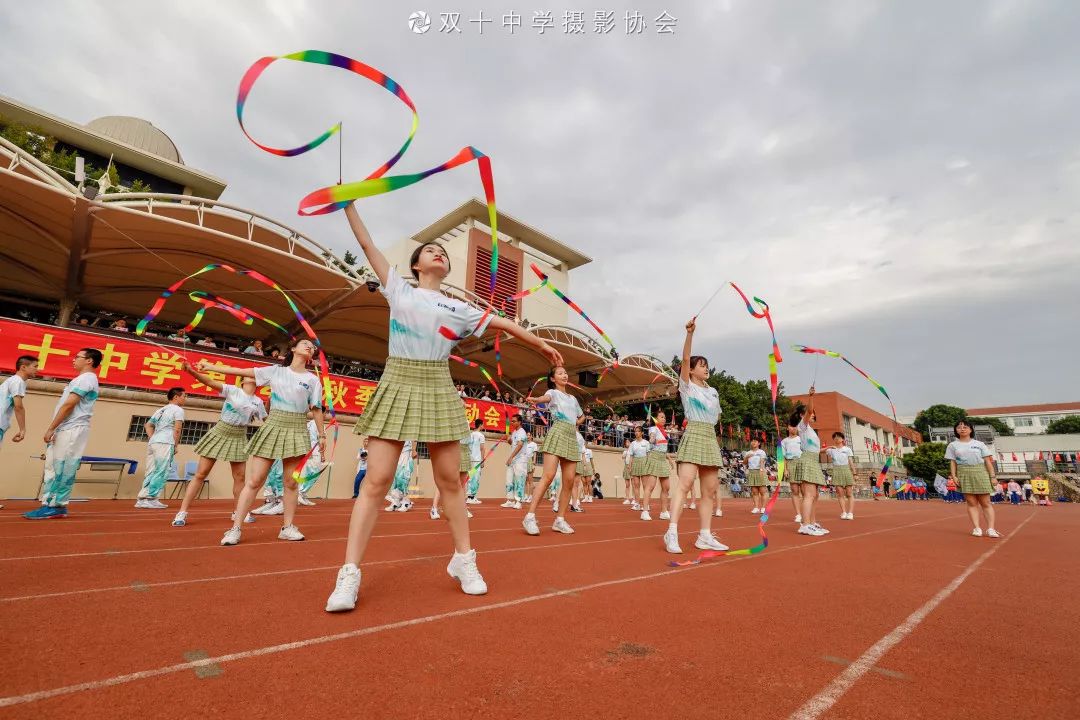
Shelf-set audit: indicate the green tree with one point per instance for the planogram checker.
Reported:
(349, 258)
(927, 460)
(938, 416)
(1000, 427)
(1064, 426)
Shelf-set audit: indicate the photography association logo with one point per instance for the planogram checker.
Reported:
(419, 22)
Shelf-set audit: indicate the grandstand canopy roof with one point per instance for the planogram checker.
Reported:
(118, 253)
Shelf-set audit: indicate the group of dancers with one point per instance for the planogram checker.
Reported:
(416, 402)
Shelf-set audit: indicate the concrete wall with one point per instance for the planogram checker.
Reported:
(108, 438)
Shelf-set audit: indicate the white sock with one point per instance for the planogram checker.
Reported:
(672, 527)
(351, 567)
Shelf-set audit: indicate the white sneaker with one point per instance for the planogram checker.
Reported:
(645, 515)
(508, 504)
(561, 526)
(345, 591)
(755, 511)
(851, 516)
(810, 530)
(719, 513)
(665, 515)
(528, 499)
(635, 507)
(180, 520)
(265, 509)
(141, 503)
(517, 505)
(232, 536)
(405, 506)
(626, 501)
(303, 500)
(156, 504)
(798, 519)
(463, 568)
(693, 506)
(290, 532)
(554, 507)
(992, 533)
(277, 509)
(434, 513)
(820, 530)
(671, 542)
(708, 542)
(529, 523)
(977, 532)
(468, 514)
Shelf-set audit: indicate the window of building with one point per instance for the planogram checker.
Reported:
(190, 434)
(1023, 422)
(1047, 419)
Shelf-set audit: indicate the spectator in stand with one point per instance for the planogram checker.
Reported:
(275, 354)
(83, 322)
(486, 395)
(179, 336)
(120, 326)
(206, 342)
(255, 348)
(461, 391)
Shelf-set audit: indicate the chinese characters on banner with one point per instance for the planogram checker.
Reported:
(541, 22)
(135, 363)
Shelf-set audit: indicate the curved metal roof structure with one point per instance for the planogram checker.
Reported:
(137, 133)
(119, 252)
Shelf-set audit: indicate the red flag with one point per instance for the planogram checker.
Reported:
(1040, 455)
(746, 434)
(730, 430)
(1057, 457)
(867, 442)
(1014, 457)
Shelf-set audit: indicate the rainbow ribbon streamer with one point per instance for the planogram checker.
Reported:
(774, 384)
(244, 315)
(335, 197)
(573, 305)
(881, 388)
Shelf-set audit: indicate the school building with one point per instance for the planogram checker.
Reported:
(869, 433)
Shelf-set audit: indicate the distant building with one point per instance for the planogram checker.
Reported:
(1028, 419)
(868, 432)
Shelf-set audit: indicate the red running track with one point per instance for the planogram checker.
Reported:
(898, 614)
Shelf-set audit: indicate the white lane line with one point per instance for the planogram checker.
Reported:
(831, 693)
(321, 640)
(273, 573)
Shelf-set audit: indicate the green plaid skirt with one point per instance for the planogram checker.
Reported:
(755, 478)
(639, 466)
(626, 472)
(658, 464)
(283, 435)
(973, 479)
(698, 445)
(466, 463)
(808, 470)
(415, 400)
(584, 469)
(225, 442)
(841, 476)
(561, 441)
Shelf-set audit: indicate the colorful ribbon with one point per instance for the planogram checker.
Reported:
(573, 305)
(335, 197)
(240, 312)
(881, 388)
(774, 384)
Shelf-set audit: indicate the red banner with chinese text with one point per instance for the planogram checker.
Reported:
(139, 364)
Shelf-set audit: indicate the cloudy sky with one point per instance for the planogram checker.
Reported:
(898, 179)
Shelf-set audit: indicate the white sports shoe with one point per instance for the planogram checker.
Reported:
(141, 503)
(277, 509)
(249, 518)
(463, 568)
(434, 513)
(645, 515)
(820, 530)
(719, 513)
(809, 530)
(265, 509)
(626, 501)
(517, 504)
(671, 543)
(665, 515)
(180, 520)
(561, 526)
(755, 511)
(155, 504)
(468, 514)
(345, 591)
(232, 536)
(693, 506)
(798, 519)
(708, 542)
(635, 507)
(290, 532)
(405, 506)
(991, 532)
(508, 504)
(529, 523)
(303, 500)
(977, 532)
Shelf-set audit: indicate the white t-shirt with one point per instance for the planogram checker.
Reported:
(809, 437)
(700, 404)
(10, 389)
(531, 449)
(86, 387)
(476, 446)
(840, 456)
(563, 407)
(522, 456)
(626, 455)
(754, 458)
(361, 460)
(639, 448)
(971, 452)
(416, 316)
(586, 455)
(290, 391)
(657, 439)
(240, 409)
(581, 444)
(164, 421)
(792, 448)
